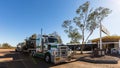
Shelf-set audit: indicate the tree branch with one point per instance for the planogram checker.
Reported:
(89, 35)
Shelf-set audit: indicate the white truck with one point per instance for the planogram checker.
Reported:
(47, 47)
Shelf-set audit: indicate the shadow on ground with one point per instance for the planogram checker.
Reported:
(25, 61)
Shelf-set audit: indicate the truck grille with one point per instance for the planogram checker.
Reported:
(63, 51)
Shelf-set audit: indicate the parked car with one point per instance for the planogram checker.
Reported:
(114, 51)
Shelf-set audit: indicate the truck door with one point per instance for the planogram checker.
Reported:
(38, 44)
(45, 40)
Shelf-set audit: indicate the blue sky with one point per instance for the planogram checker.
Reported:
(22, 18)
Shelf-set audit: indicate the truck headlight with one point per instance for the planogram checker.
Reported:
(55, 53)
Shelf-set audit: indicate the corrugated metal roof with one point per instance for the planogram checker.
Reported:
(108, 39)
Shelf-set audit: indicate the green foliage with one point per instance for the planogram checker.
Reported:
(33, 36)
(72, 32)
(59, 39)
(88, 19)
(6, 46)
(57, 36)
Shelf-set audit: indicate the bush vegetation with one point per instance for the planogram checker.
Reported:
(6, 46)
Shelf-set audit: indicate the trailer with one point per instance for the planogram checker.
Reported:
(19, 47)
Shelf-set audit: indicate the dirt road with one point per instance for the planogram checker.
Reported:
(12, 59)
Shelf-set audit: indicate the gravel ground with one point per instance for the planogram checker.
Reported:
(80, 64)
(20, 61)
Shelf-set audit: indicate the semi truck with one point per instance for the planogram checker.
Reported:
(47, 47)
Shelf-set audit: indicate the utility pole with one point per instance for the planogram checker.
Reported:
(100, 36)
(42, 41)
(41, 31)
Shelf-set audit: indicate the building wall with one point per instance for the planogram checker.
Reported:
(116, 45)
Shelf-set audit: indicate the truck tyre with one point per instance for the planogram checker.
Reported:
(33, 53)
(47, 58)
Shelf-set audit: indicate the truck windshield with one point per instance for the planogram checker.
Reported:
(52, 40)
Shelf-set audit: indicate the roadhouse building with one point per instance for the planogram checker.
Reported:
(110, 43)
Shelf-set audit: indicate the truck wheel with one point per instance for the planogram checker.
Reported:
(32, 53)
(47, 58)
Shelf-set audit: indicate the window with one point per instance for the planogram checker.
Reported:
(52, 40)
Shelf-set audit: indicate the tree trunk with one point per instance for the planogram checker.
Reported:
(82, 42)
(89, 36)
(81, 49)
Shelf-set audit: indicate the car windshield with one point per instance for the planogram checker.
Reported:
(52, 40)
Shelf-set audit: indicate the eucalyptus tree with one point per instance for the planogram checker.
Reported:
(57, 36)
(88, 19)
(71, 31)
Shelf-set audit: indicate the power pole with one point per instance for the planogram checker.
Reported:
(42, 41)
(41, 31)
(100, 36)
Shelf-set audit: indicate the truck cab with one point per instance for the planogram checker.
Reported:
(49, 48)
